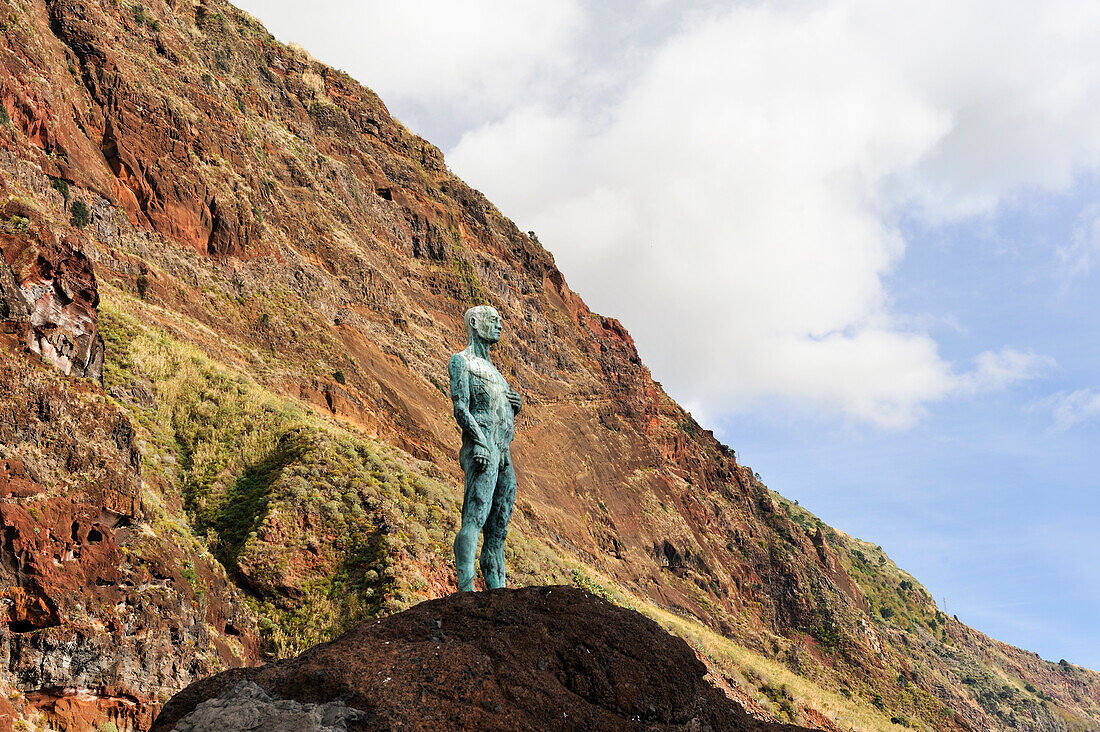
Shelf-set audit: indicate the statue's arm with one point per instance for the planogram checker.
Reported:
(460, 395)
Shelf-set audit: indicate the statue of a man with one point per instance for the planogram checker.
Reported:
(485, 409)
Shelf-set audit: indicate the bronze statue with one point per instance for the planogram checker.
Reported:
(485, 408)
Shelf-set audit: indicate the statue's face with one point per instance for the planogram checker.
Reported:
(489, 326)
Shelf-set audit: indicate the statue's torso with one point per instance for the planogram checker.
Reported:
(489, 400)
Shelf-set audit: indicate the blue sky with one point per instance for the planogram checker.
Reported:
(860, 240)
(990, 502)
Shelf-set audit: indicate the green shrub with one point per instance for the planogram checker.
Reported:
(144, 18)
(781, 696)
(62, 187)
(5, 120)
(827, 635)
(584, 582)
(339, 376)
(81, 216)
(689, 426)
(19, 224)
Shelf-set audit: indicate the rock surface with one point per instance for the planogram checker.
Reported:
(539, 658)
(48, 291)
(248, 707)
(104, 612)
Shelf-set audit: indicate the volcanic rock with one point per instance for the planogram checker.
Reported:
(538, 658)
(48, 292)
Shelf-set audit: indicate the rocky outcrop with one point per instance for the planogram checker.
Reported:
(103, 612)
(540, 658)
(248, 706)
(48, 291)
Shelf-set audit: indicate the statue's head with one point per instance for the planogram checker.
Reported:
(483, 322)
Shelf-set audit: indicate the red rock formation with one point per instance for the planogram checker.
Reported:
(98, 606)
(53, 278)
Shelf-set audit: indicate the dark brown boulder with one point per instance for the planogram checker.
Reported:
(538, 658)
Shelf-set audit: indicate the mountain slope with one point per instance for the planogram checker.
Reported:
(268, 273)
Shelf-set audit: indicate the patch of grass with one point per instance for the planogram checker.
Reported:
(61, 186)
(323, 527)
(246, 501)
(689, 426)
(469, 286)
(18, 225)
(584, 582)
(81, 216)
(143, 17)
(848, 711)
(780, 696)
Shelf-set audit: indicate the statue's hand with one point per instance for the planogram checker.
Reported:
(481, 457)
(515, 400)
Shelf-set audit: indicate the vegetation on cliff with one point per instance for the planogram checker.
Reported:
(263, 286)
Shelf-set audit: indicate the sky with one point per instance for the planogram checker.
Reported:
(859, 240)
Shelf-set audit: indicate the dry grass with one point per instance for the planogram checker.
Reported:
(755, 674)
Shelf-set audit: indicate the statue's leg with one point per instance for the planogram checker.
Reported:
(496, 527)
(476, 503)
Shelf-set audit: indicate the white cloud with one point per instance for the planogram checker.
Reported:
(1072, 408)
(469, 60)
(481, 53)
(1019, 81)
(1080, 253)
(727, 179)
(736, 205)
(996, 370)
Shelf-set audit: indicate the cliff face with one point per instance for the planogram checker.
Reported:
(261, 274)
(105, 613)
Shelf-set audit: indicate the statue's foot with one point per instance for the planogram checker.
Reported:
(465, 584)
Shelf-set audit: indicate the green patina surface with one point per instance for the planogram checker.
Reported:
(485, 408)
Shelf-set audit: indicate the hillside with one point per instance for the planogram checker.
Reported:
(233, 283)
